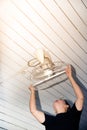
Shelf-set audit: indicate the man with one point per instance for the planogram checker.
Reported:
(66, 118)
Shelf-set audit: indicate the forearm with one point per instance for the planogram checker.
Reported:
(78, 92)
(77, 89)
(39, 115)
(32, 102)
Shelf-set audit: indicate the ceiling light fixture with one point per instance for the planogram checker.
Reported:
(44, 68)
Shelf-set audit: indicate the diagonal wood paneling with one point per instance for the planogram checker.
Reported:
(57, 26)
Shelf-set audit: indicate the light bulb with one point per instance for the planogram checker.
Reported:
(40, 55)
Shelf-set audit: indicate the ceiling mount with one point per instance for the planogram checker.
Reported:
(44, 68)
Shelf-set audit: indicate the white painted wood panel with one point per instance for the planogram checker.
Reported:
(60, 27)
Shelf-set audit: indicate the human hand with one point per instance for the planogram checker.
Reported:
(69, 71)
(31, 88)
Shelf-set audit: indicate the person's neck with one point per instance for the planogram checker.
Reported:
(61, 111)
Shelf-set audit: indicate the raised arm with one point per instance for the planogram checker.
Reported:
(39, 115)
(78, 92)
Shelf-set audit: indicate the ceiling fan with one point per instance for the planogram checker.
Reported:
(44, 68)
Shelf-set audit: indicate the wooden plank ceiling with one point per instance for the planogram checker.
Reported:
(58, 26)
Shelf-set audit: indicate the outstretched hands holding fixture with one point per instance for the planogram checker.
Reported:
(68, 71)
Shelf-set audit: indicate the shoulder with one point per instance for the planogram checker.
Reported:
(75, 110)
(48, 118)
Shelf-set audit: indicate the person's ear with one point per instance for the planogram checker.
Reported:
(67, 106)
